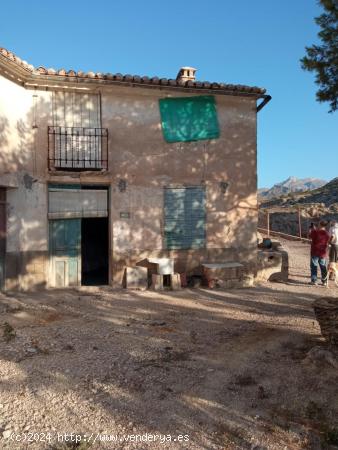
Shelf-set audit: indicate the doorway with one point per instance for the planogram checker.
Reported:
(94, 251)
(79, 235)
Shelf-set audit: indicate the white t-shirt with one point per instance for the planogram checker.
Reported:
(333, 232)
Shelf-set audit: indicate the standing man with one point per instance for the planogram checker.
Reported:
(333, 232)
(319, 246)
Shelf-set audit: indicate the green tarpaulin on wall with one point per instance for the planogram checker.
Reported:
(187, 119)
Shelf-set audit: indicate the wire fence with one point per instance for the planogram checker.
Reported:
(289, 237)
(291, 222)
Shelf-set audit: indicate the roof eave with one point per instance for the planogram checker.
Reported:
(24, 74)
(58, 82)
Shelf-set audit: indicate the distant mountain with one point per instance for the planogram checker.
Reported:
(291, 184)
(326, 194)
(315, 205)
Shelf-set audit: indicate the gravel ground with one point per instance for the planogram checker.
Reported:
(212, 369)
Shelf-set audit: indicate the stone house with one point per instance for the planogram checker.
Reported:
(100, 171)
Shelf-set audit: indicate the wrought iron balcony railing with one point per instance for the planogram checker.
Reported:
(77, 148)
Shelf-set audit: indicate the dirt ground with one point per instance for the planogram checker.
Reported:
(212, 369)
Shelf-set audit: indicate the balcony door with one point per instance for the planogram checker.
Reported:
(76, 134)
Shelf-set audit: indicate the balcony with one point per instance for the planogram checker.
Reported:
(77, 148)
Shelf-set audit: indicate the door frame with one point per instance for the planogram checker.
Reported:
(56, 183)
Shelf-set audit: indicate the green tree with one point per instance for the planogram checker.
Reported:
(323, 59)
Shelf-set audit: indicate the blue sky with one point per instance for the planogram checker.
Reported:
(248, 42)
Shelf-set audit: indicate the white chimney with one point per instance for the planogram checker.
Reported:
(186, 74)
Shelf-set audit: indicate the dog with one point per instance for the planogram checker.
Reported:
(332, 273)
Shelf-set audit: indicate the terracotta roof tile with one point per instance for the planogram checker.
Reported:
(146, 80)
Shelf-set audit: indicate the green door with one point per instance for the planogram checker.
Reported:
(65, 252)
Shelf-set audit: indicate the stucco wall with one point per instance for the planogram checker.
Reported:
(139, 155)
(23, 159)
(148, 164)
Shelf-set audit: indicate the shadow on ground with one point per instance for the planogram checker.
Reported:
(226, 368)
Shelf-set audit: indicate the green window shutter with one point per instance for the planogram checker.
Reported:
(187, 119)
(184, 213)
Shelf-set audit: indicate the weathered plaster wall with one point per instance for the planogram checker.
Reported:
(139, 155)
(23, 156)
(24, 115)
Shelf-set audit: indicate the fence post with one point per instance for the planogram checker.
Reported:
(299, 223)
(268, 222)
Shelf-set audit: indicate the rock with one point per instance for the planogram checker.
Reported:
(68, 347)
(31, 350)
(6, 434)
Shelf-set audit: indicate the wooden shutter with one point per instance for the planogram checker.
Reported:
(184, 211)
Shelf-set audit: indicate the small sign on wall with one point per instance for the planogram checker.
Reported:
(124, 215)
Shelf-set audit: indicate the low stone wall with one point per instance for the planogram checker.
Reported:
(186, 261)
(272, 264)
